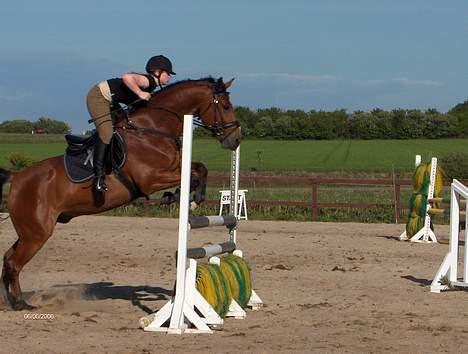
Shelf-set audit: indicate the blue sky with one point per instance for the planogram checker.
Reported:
(322, 54)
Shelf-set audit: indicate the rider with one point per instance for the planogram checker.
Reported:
(129, 88)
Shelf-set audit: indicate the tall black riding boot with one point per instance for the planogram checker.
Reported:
(99, 183)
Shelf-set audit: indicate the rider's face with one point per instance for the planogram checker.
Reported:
(164, 78)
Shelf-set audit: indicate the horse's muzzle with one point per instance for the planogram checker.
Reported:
(232, 141)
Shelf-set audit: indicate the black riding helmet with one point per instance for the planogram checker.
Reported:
(159, 62)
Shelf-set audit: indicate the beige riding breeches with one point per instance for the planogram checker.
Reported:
(99, 110)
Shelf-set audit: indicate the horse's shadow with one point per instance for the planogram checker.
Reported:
(420, 281)
(137, 295)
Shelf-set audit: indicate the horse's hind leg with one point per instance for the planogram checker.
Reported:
(18, 256)
(12, 267)
(4, 287)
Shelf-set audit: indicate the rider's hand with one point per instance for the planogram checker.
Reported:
(144, 96)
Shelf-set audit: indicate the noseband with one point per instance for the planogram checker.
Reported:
(218, 127)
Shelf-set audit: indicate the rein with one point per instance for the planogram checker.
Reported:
(154, 132)
(147, 131)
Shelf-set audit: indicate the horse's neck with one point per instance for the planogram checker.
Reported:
(158, 120)
(184, 101)
(166, 114)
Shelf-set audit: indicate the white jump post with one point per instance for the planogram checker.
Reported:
(234, 187)
(179, 312)
(237, 205)
(447, 275)
(425, 235)
(254, 302)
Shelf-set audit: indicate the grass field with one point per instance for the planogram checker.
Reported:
(274, 156)
(342, 156)
(348, 156)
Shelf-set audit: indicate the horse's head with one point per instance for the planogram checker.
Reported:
(206, 98)
(218, 116)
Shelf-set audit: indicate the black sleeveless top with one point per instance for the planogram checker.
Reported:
(122, 94)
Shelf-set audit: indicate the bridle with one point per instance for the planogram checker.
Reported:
(219, 127)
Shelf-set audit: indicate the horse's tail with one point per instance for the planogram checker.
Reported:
(4, 178)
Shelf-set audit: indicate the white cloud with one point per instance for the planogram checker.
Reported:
(292, 91)
(287, 76)
(398, 81)
(406, 81)
(330, 79)
(13, 96)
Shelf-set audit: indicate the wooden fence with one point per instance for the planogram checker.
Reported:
(315, 182)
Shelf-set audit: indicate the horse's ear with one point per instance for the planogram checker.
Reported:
(219, 86)
(228, 84)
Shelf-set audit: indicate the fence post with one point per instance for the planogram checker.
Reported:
(397, 200)
(314, 199)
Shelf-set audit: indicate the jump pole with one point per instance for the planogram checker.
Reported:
(182, 305)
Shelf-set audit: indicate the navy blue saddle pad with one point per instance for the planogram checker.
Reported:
(78, 158)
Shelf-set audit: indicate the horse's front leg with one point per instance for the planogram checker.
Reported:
(198, 181)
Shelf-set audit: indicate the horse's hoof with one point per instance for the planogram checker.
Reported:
(3, 294)
(4, 303)
(22, 306)
(167, 198)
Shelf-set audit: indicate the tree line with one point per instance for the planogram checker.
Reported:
(23, 126)
(339, 124)
(275, 123)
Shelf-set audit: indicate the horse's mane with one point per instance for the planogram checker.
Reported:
(203, 81)
(175, 88)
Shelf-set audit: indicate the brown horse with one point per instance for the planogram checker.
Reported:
(42, 195)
